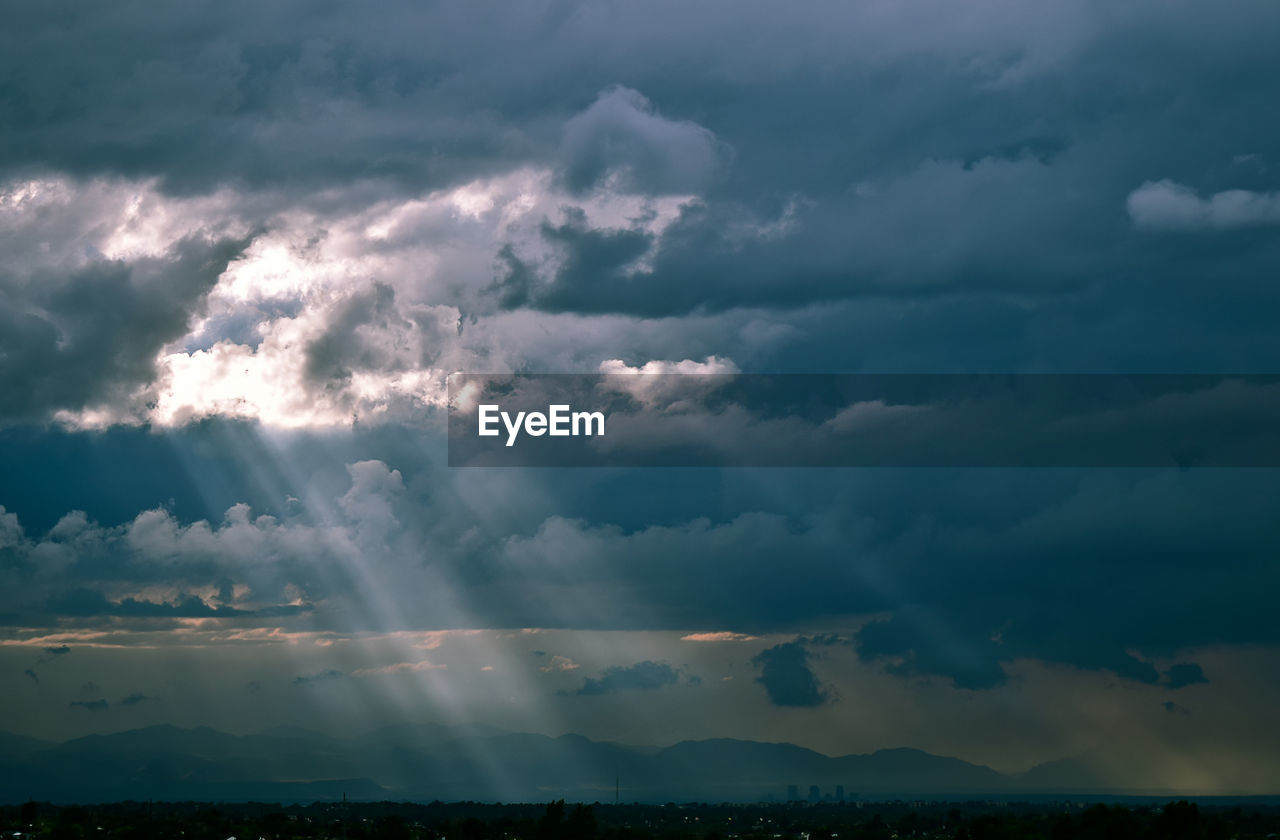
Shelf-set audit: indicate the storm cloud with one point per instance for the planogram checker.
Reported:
(787, 677)
(244, 245)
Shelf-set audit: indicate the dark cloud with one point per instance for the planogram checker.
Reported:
(371, 331)
(893, 159)
(347, 343)
(620, 141)
(98, 705)
(514, 280)
(787, 677)
(1167, 206)
(212, 85)
(919, 642)
(952, 581)
(642, 676)
(1184, 674)
(90, 337)
(594, 263)
(134, 699)
(940, 641)
(327, 675)
(89, 602)
(1075, 189)
(843, 185)
(50, 654)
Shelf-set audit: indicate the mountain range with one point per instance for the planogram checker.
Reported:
(430, 761)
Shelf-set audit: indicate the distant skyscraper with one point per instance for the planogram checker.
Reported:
(793, 793)
(839, 793)
(815, 795)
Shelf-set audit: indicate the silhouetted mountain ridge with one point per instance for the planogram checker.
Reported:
(433, 761)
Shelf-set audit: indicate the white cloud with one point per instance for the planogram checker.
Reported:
(259, 565)
(712, 364)
(652, 384)
(1170, 206)
(328, 315)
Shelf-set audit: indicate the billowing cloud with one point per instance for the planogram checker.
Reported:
(310, 316)
(619, 142)
(645, 187)
(92, 336)
(945, 594)
(1169, 206)
(1183, 674)
(243, 246)
(787, 676)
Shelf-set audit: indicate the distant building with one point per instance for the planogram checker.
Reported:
(793, 793)
(839, 793)
(815, 795)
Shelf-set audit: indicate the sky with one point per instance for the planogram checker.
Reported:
(243, 245)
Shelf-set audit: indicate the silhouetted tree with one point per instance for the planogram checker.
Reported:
(581, 824)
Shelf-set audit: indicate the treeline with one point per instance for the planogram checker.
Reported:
(560, 821)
